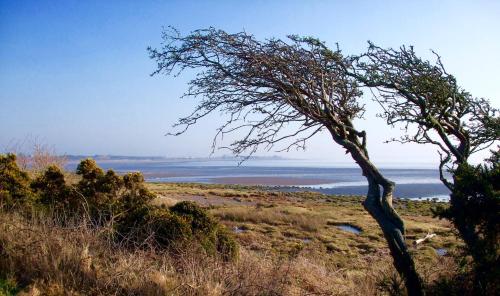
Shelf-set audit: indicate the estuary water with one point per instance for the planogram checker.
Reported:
(415, 182)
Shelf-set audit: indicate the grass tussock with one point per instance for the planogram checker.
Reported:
(294, 216)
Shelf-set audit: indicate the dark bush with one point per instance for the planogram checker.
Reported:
(52, 191)
(166, 228)
(91, 177)
(152, 226)
(169, 228)
(202, 225)
(135, 193)
(110, 184)
(213, 236)
(474, 210)
(226, 245)
(110, 195)
(198, 217)
(14, 183)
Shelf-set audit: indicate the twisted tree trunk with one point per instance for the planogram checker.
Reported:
(378, 203)
(380, 208)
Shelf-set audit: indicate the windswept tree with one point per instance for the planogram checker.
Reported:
(283, 91)
(428, 102)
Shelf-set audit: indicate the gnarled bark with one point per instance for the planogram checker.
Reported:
(378, 203)
(380, 208)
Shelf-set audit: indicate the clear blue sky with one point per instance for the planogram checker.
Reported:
(76, 73)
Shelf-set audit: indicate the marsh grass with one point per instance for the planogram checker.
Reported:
(292, 216)
(289, 246)
(77, 259)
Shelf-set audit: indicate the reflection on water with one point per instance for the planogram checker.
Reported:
(441, 251)
(237, 229)
(349, 228)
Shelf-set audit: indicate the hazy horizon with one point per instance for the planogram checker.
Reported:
(76, 74)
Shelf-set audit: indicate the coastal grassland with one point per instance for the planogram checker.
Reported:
(307, 223)
(39, 257)
(290, 244)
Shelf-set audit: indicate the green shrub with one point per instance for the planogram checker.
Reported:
(198, 217)
(131, 223)
(110, 184)
(133, 181)
(226, 245)
(168, 227)
(14, 183)
(202, 225)
(91, 177)
(213, 236)
(474, 210)
(182, 223)
(152, 226)
(135, 192)
(108, 194)
(52, 191)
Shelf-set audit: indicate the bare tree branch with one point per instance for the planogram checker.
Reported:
(416, 92)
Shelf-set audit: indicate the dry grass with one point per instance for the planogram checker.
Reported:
(293, 216)
(289, 246)
(80, 260)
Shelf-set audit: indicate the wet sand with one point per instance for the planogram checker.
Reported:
(154, 175)
(271, 181)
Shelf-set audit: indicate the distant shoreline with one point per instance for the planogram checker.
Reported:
(109, 160)
(271, 181)
(284, 174)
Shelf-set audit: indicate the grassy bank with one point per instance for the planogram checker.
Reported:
(283, 222)
(291, 244)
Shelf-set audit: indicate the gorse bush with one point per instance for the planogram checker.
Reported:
(136, 194)
(197, 217)
(99, 189)
(182, 223)
(146, 225)
(121, 202)
(14, 183)
(474, 210)
(108, 195)
(225, 244)
(213, 236)
(51, 190)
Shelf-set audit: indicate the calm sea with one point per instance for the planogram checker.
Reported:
(414, 183)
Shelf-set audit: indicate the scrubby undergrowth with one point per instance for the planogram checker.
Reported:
(107, 199)
(80, 259)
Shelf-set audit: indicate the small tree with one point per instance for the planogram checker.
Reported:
(277, 91)
(434, 110)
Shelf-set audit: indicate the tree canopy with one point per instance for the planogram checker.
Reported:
(268, 87)
(264, 86)
(418, 93)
